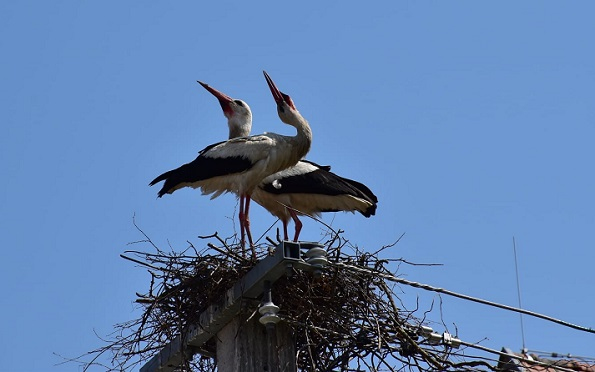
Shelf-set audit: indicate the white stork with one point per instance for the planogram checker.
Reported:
(309, 189)
(306, 188)
(240, 164)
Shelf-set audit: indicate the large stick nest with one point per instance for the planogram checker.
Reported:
(347, 319)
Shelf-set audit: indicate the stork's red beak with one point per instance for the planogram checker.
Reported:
(224, 99)
(277, 94)
(274, 90)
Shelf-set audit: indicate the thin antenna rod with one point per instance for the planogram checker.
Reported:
(518, 289)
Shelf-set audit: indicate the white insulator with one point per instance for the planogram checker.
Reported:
(316, 257)
(426, 331)
(450, 340)
(269, 314)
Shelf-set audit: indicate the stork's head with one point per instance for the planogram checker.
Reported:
(285, 106)
(237, 112)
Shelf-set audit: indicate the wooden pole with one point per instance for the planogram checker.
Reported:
(244, 344)
(241, 345)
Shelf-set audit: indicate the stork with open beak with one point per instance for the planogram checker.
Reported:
(240, 164)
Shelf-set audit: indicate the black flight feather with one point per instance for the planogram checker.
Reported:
(200, 169)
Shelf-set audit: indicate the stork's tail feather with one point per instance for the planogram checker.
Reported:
(371, 211)
(362, 191)
(166, 186)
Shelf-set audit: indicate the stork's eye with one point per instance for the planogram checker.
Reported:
(240, 103)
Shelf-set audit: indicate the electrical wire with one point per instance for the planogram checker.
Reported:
(550, 354)
(453, 342)
(427, 287)
(517, 357)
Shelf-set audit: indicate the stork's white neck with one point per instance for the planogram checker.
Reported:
(239, 126)
(302, 141)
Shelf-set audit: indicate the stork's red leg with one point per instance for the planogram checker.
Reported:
(247, 226)
(242, 219)
(285, 235)
(297, 222)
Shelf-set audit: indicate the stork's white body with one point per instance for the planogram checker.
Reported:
(239, 164)
(310, 189)
(302, 189)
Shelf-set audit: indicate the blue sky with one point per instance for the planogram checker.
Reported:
(472, 122)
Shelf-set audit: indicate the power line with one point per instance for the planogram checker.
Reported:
(447, 339)
(426, 287)
(517, 357)
(560, 355)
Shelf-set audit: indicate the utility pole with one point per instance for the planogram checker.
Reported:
(247, 340)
